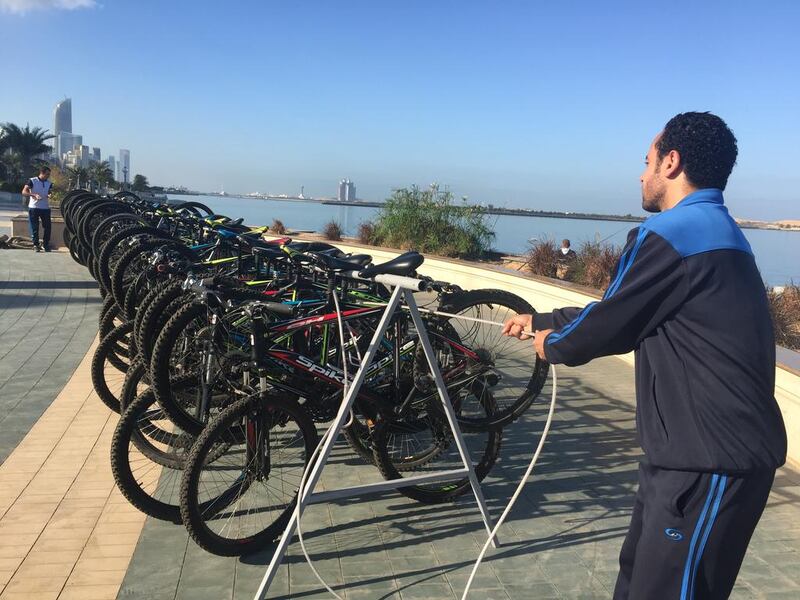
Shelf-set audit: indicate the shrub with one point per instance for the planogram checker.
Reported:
(596, 263)
(542, 258)
(277, 227)
(366, 232)
(429, 221)
(332, 231)
(784, 306)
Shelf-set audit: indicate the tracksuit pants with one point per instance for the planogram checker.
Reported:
(689, 533)
(34, 214)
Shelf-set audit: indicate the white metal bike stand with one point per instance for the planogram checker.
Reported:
(402, 290)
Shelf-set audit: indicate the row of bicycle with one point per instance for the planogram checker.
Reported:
(223, 352)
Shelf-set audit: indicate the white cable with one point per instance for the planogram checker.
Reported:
(521, 485)
(514, 497)
(302, 490)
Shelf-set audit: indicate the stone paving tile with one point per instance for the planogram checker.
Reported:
(561, 541)
(49, 307)
(64, 531)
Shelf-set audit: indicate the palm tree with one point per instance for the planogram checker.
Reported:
(140, 183)
(78, 177)
(3, 149)
(28, 142)
(100, 174)
(11, 163)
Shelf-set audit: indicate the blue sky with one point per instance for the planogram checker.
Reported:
(538, 104)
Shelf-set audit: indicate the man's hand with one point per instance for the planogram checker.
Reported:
(538, 341)
(36, 196)
(516, 325)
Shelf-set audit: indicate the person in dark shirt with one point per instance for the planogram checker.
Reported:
(565, 260)
(567, 253)
(688, 300)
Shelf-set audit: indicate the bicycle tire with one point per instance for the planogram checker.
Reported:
(115, 244)
(137, 482)
(437, 493)
(100, 380)
(161, 371)
(511, 410)
(155, 316)
(196, 514)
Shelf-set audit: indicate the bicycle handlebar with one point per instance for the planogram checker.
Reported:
(408, 283)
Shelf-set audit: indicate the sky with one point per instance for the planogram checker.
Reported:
(548, 105)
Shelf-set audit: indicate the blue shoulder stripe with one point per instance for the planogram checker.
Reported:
(699, 223)
(639, 241)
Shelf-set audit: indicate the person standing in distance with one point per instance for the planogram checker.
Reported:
(688, 299)
(37, 189)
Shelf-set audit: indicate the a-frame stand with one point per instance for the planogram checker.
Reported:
(402, 290)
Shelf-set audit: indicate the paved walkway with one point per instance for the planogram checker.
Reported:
(49, 307)
(65, 532)
(562, 540)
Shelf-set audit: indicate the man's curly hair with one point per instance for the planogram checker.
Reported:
(707, 147)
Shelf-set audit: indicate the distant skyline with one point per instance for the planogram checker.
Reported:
(516, 104)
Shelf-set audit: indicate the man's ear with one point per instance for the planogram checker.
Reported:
(671, 165)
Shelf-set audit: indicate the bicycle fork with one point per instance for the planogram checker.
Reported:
(257, 430)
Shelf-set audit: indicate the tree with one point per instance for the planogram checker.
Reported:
(78, 177)
(430, 221)
(28, 142)
(100, 174)
(140, 183)
(12, 166)
(4, 147)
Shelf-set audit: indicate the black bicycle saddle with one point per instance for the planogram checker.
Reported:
(354, 262)
(404, 265)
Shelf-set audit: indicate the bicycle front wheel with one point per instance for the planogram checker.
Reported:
(504, 367)
(242, 477)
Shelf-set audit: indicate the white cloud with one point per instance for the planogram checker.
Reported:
(20, 7)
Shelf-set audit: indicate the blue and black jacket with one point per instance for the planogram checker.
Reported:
(688, 298)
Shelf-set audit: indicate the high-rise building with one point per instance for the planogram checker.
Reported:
(84, 155)
(125, 166)
(347, 191)
(65, 142)
(96, 154)
(62, 122)
(112, 164)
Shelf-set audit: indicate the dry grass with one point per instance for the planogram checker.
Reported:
(784, 306)
(542, 258)
(596, 264)
(366, 232)
(332, 232)
(277, 227)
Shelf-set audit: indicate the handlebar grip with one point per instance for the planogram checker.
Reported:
(409, 283)
(278, 308)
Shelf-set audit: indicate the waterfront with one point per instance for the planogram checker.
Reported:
(776, 251)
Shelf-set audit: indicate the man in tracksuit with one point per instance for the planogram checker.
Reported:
(688, 299)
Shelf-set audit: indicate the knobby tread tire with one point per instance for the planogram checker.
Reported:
(190, 508)
(107, 347)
